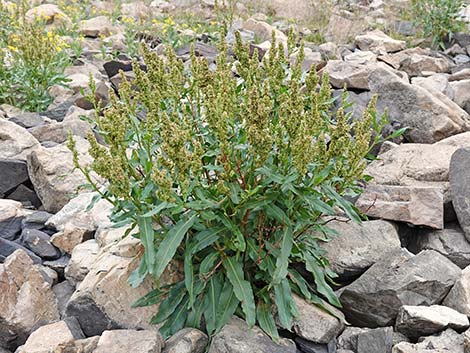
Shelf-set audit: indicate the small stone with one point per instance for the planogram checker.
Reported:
(417, 321)
(366, 340)
(39, 243)
(63, 291)
(379, 43)
(125, 341)
(448, 341)
(187, 340)
(35, 220)
(460, 188)
(27, 120)
(83, 257)
(11, 215)
(70, 237)
(97, 26)
(459, 296)
(15, 142)
(26, 196)
(8, 247)
(12, 173)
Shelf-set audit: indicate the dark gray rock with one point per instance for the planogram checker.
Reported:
(312, 347)
(58, 265)
(399, 279)
(459, 176)
(12, 174)
(59, 111)
(36, 220)
(236, 337)
(364, 340)
(8, 247)
(39, 243)
(10, 228)
(27, 120)
(63, 291)
(448, 341)
(450, 242)
(26, 196)
(187, 340)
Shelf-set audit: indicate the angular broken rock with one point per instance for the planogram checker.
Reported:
(399, 279)
(448, 341)
(28, 301)
(459, 174)
(450, 242)
(430, 116)
(125, 341)
(365, 340)
(379, 43)
(53, 174)
(52, 337)
(315, 324)
(70, 237)
(359, 246)
(11, 216)
(12, 173)
(237, 337)
(97, 26)
(39, 243)
(417, 321)
(187, 340)
(459, 296)
(421, 206)
(82, 259)
(15, 142)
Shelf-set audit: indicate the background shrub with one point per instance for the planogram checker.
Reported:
(230, 173)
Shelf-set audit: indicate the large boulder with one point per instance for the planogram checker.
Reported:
(460, 188)
(378, 42)
(53, 174)
(27, 300)
(459, 296)
(124, 341)
(417, 321)
(359, 246)
(430, 116)
(15, 142)
(399, 279)
(237, 337)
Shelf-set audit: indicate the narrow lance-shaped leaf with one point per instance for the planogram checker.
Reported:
(266, 320)
(241, 288)
(282, 262)
(170, 243)
(227, 305)
(147, 238)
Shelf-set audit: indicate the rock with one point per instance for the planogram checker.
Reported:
(52, 337)
(417, 321)
(187, 340)
(95, 303)
(35, 220)
(344, 73)
(15, 141)
(460, 188)
(26, 196)
(83, 257)
(447, 342)
(436, 82)
(58, 265)
(51, 13)
(329, 51)
(8, 247)
(450, 242)
(379, 43)
(315, 324)
(75, 214)
(461, 94)
(366, 340)
(360, 57)
(312, 59)
(11, 215)
(70, 237)
(52, 173)
(59, 131)
(421, 206)
(264, 30)
(95, 27)
(460, 75)
(466, 341)
(399, 279)
(312, 347)
(459, 296)
(27, 120)
(124, 341)
(49, 275)
(359, 246)
(342, 29)
(27, 300)
(63, 291)
(430, 116)
(39, 243)
(12, 173)
(236, 337)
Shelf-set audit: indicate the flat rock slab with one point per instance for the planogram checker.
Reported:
(399, 279)
(125, 341)
(417, 321)
(421, 206)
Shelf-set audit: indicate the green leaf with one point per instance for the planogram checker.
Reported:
(213, 290)
(241, 288)
(322, 287)
(283, 299)
(177, 319)
(168, 306)
(345, 205)
(147, 237)
(206, 238)
(170, 243)
(138, 275)
(227, 305)
(157, 209)
(151, 298)
(301, 283)
(282, 262)
(266, 320)
(239, 240)
(189, 273)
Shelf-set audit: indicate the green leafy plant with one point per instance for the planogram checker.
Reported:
(439, 19)
(231, 175)
(32, 59)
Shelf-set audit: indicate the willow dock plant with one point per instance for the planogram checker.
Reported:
(230, 174)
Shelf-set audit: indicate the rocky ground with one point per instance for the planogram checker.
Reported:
(405, 274)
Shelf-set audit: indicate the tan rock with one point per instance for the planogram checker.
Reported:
(70, 237)
(187, 340)
(27, 301)
(82, 259)
(50, 13)
(97, 26)
(15, 142)
(125, 341)
(264, 30)
(379, 43)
